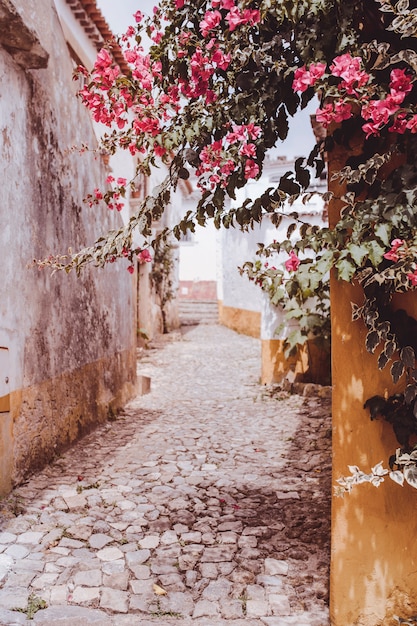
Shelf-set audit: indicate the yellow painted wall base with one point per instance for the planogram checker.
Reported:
(310, 364)
(241, 320)
(47, 417)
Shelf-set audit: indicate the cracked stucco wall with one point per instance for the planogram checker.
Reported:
(70, 341)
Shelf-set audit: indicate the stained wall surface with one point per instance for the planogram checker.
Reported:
(70, 341)
(374, 530)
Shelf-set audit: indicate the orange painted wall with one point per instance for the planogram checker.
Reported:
(374, 530)
(241, 320)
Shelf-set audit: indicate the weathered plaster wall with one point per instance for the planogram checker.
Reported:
(71, 341)
(374, 531)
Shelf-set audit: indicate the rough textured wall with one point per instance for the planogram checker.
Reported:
(71, 341)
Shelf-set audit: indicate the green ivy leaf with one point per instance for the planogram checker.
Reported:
(397, 371)
(372, 341)
(407, 356)
(358, 253)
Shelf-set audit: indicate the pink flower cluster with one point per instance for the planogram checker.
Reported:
(395, 252)
(221, 158)
(378, 113)
(234, 18)
(303, 78)
(356, 88)
(292, 264)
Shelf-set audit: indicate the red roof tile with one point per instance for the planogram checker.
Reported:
(102, 33)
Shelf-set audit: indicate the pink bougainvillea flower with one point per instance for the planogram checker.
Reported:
(98, 194)
(138, 17)
(392, 255)
(144, 256)
(325, 115)
(291, 264)
(248, 149)
(399, 125)
(316, 71)
(251, 169)
(342, 111)
(412, 277)
(223, 4)
(210, 21)
(412, 124)
(348, 68)
(303, 78)
(130, 269)
(121, 181)
(179, 4)
(400, 81)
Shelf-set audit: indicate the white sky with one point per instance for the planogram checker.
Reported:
(118, 13)
(300, 140)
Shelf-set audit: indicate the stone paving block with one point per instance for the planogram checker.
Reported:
(21, 578)
(269, 581)
(99, 540)
(141, 572)
(88, 578)
(139, 603)
(17, 551)
(142, 587)
(44, 580)
(293, 620)
(255, 592)
(216, 554)
(276, 566)
(14, 598)
(181, 603)
(231, 609)
(29, 565)
(172, 582)
(279, 604)
(115, 600)
(7, 537)
(52, 537)
(257, 608)
(59, 595)
(71, 616)
(119, 580)
(205, 608)
(84, 595)
(12, 618)
(149, 542)
(217, 589)
(110, 554)
(75, 502)
(137, 558)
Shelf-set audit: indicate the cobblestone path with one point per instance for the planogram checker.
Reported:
(205, 503)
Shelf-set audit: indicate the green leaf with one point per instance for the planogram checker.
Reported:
(410, 393)
(410, 475)
(383, 360)
(372, 341)
(345, 270)
(376, 253)
(358, 253)
(407, 356)
(383, 232)
(397, 371)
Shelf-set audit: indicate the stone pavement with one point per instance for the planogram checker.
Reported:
(205, 503)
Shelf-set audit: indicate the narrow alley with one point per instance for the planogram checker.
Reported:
(205, 503)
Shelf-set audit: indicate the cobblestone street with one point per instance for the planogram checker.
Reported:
(205, 503)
